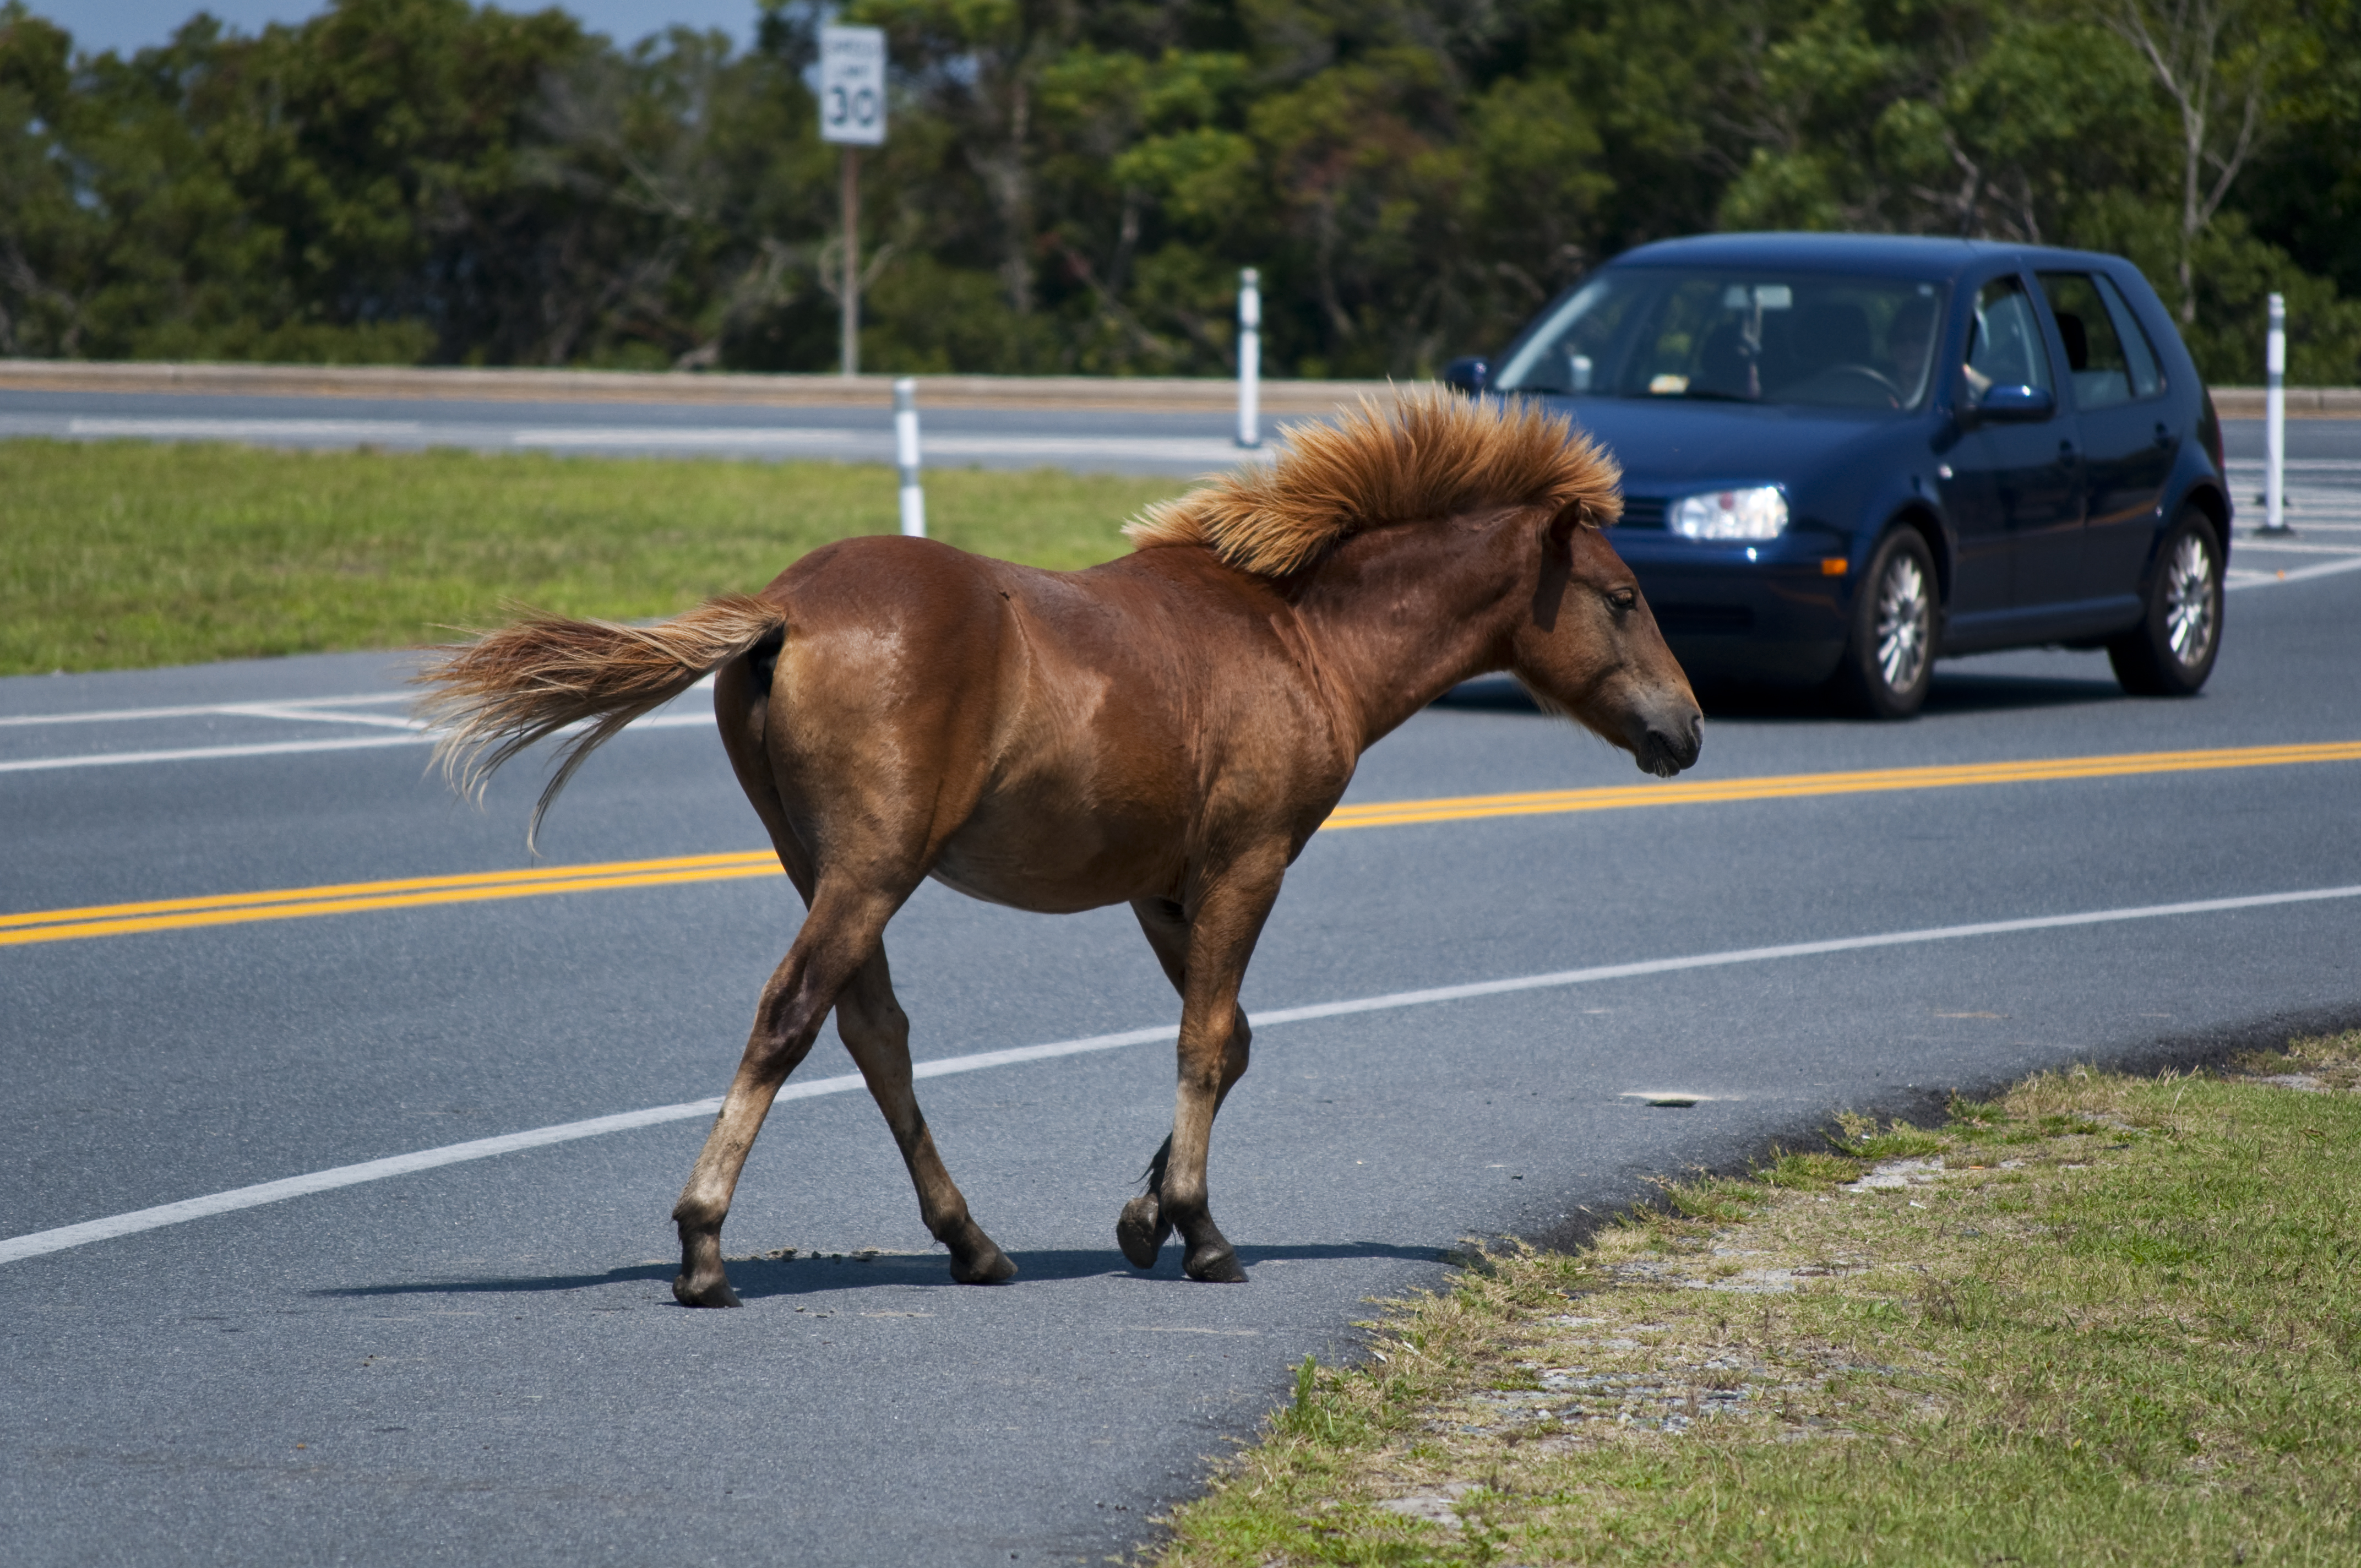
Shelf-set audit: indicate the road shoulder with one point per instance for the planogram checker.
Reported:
(2097, 1312)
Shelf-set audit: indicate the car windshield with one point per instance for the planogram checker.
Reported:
(1811, 339)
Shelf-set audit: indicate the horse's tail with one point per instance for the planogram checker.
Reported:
(493, 698)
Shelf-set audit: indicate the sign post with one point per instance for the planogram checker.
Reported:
(852, 114)
(2275, 421)
(1249, 356)
(906, 456)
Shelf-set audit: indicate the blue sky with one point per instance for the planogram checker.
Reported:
(127, 25)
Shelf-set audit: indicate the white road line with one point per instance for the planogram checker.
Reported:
(867, 444)
(2234, 579)
(1197, 449)
(255, 429)
(409, 737)
(197, 710)
(257, 706)
(2315, 507)
(1175, 449)
(206, 753)
(320, 715)
(65, 1237)
(701, 437)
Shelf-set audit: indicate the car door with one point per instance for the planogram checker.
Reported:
(2128, 442)
(2015, 493)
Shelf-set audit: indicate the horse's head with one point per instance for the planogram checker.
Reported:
(1590, 647)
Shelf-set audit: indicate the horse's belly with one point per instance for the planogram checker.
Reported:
(1053, 866)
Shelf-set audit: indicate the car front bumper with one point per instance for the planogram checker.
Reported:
(1775, 611)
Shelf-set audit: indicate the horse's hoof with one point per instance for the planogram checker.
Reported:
(1216, 1266)
(715, 1292)
(1141, 1231)
(989, 1266)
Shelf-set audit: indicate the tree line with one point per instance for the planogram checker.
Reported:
(1071, 186)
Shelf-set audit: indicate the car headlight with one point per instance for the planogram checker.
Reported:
(1758, 513)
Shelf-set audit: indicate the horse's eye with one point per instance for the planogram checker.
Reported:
(1623, 598)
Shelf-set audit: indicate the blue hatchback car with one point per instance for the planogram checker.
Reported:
(1846, 455)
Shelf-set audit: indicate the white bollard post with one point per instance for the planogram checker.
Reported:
(1249, 357)
(906, 454)
(2274, 422)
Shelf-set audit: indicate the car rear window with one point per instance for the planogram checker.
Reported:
(2147, 377)
(2107, 355)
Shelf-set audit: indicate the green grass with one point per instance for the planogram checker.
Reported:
(2121, 1324)
(126, 554)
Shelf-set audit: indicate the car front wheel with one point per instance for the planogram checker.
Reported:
(1890, 662)
(2171, 650)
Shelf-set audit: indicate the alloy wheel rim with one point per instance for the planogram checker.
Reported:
(2189, 602)
(1902, 620)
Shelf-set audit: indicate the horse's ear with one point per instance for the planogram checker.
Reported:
(1569, 518)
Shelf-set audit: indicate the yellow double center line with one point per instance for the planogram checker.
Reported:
(473, 887)
(348, 898)
(1872, 781)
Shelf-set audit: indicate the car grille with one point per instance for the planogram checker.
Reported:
(1675, 618)
(1642, 511)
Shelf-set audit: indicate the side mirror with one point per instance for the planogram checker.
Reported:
(2015, 405)
(1470, 375)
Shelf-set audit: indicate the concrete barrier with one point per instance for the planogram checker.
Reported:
(2302, 402)
(1141, 394)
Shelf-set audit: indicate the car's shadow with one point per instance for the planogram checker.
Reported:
(810, 1274)
(1491, 694)
(1954, 691)
(1964, 692)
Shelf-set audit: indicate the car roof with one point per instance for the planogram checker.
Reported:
(1913, 256)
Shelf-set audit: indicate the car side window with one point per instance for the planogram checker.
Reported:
(2004, 340)
(2095, 360)
(2139, 354)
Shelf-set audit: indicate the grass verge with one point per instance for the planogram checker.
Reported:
(2101, 1320)
(124, 555)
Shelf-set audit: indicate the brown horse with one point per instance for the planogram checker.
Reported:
(1165, 731)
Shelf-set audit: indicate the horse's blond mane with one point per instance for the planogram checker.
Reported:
(1434, 455)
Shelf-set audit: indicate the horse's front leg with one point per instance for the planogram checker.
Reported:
(1144, 1227)
(1214, 1041)
(843, 928)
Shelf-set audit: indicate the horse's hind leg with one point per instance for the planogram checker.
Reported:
(840, 935)
(878, 1033)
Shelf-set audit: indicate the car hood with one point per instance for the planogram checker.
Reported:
(1670, 446)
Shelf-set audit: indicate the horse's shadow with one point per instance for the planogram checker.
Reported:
(809, 1274)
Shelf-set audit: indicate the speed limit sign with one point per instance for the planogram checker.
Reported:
(853, 85)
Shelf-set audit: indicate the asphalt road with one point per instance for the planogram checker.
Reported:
(2323, 452)
(482, 1362)
(1115, 441)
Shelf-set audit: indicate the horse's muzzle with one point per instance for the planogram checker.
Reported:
(1668, 745)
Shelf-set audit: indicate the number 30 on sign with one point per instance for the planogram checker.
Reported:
(853, 85)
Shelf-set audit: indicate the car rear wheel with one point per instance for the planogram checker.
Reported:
(2171, 650)
(1890, 662)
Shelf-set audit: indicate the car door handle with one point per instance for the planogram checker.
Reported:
(2163, 434)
